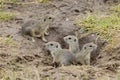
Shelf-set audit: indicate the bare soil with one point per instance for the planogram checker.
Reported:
(30, 58)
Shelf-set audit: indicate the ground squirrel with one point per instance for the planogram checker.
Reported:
(82, 56)
(73, 43)
(34, 28)
(62, 56)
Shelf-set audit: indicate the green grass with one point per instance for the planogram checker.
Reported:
(118, 74)
(107, 26)
(116, 8)
(118, 78)
(5, 15)
(7, 41)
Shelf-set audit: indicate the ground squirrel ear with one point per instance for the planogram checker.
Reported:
(56, 46)
(74, 40)
(90, 46)
(84, 47)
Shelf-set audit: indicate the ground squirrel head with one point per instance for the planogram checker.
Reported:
(89, 46)
(71, 39)
(52, 45)
(48, 18)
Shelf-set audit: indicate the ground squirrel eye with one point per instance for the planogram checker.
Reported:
(69, 38)
(51, 44)
(90, 46)
(50, 18)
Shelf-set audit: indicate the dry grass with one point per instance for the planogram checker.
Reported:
(9, 46)
(49, 73)
(27, 73)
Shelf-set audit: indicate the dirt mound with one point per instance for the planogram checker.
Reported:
(110, 59)
(65, 73)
